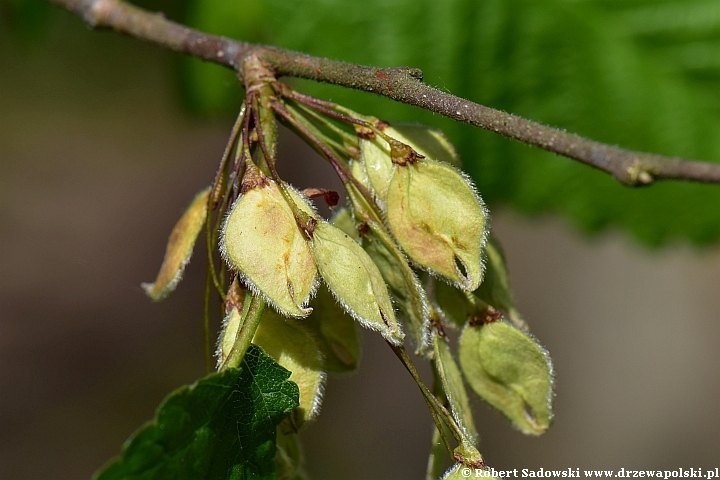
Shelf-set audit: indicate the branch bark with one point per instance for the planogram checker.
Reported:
(402, 84)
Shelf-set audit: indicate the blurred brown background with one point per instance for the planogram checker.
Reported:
(97, 161)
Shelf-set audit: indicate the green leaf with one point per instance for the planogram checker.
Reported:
(643, 74)
(293, 346)
(221, 427)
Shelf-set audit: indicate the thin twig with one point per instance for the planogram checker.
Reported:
(403, 84)
(338, 165)
(314, 118)
(249, 322)
(214, 199)
(206, 321)
(261, 140)
(431, 399)
(323, 108)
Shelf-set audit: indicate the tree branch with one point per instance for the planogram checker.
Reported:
(402, 84)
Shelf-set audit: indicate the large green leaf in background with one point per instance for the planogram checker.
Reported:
(221, 428)
(643, 74)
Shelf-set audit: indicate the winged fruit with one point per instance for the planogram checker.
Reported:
(438, 220)
(262, 241)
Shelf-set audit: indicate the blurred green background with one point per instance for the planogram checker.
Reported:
(104, 140)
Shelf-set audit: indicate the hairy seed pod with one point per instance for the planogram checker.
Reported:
(354, 280)
(179, 248)
(438, 220)
(357, 169)
(376, 153)
(262, 241)
(230, 325)
(336, 333)
(344, 221)
(378, 165)
(453, 386)
(402, 282)
(294, 348)
(511, 372)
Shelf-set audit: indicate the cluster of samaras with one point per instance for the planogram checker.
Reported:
(412, 218)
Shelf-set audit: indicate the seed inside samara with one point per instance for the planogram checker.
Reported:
(262, 241)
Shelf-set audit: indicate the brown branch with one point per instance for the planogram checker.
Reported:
(402, 84)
